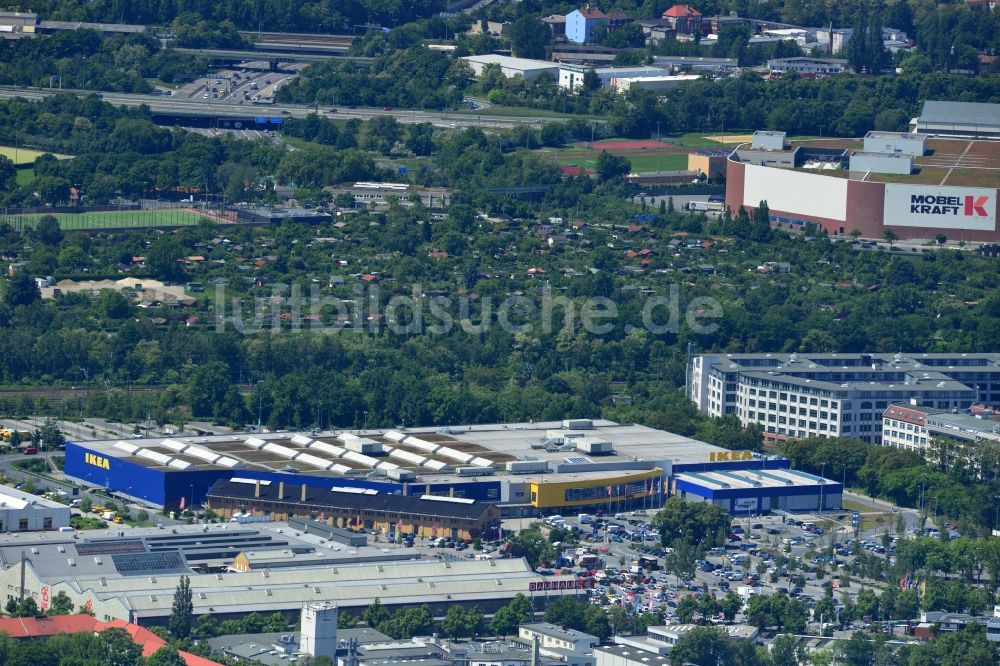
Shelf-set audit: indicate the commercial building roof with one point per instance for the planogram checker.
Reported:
(634, 655)
(960, 113)
(429, 581)
(555, 631)
(433, 453)
(344, 499)
(743, 479)
(509, 62)
(12, 498)
(108, 554)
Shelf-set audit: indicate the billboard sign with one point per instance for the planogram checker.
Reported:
(745, 504)
(942, 207)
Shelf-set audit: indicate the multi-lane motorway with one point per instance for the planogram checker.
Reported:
(176, 107)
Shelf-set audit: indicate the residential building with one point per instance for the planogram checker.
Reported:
(24, 512)
(830, 395)
(44, 627)
(913, 426)
(557, 23)
(684, 19)
(658, 28)
(904, 426)
(553, 636)
(581, 23)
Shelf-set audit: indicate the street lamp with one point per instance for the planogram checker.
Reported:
(822, 481)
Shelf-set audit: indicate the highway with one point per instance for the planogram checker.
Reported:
(178, 108)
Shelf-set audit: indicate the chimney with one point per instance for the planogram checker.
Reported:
(281, 490)
(303, 498)
(256, 489)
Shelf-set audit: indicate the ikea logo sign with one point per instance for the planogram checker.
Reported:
(96, 461)
(729, 456)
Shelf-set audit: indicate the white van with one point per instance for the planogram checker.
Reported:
(67, 529)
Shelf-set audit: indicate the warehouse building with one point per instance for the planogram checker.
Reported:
(967, 119)
(132, 575)
(511, 67)
(951, 190)
(760, 491)
(24, 512)
(523, 469)
(360, 509)
(833, 395)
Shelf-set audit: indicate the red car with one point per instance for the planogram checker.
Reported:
(387, 108)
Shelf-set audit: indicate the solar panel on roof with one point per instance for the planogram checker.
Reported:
(111, 547)
(169, 561)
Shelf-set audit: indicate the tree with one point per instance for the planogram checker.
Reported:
(60, 604)
(940, 238)
(48, 231)
(529, 37)
(461, 623)
(118, 648)
(531, 545)
(700, 524)
(182, 613)
(21, 290)
(506, 620)
(611, 166)
(375, 614)
(890, 236)
(165, 656)
(703, 646)
(162, 259)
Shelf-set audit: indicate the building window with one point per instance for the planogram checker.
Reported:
(22, 525)
(47, 523)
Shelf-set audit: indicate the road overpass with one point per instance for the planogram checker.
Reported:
(218, 113)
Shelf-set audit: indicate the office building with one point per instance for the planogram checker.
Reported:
(832, 395)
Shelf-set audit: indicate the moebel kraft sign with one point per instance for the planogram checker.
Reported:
(942, 207)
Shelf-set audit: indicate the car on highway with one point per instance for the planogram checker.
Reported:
(333, 109)
(387, 108)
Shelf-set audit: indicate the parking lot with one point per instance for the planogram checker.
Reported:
(762, 555)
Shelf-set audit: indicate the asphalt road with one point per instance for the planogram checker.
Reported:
(177, 106)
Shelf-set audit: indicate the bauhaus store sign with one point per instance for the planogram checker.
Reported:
(943, 208)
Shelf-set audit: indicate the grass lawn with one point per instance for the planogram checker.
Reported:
(25, 176)
(110, 220)
(25, 155)
(640, 163)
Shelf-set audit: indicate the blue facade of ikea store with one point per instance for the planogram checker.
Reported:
(165, 488)
(765, 499)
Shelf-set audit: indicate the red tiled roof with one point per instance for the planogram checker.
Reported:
(678, 11)
(592, 12)
(43, 627)
(30, 627)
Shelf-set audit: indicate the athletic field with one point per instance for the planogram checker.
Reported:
(22, 156)
(125, 219)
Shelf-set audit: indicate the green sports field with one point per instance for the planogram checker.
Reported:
(126, 219)
(21, 156)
